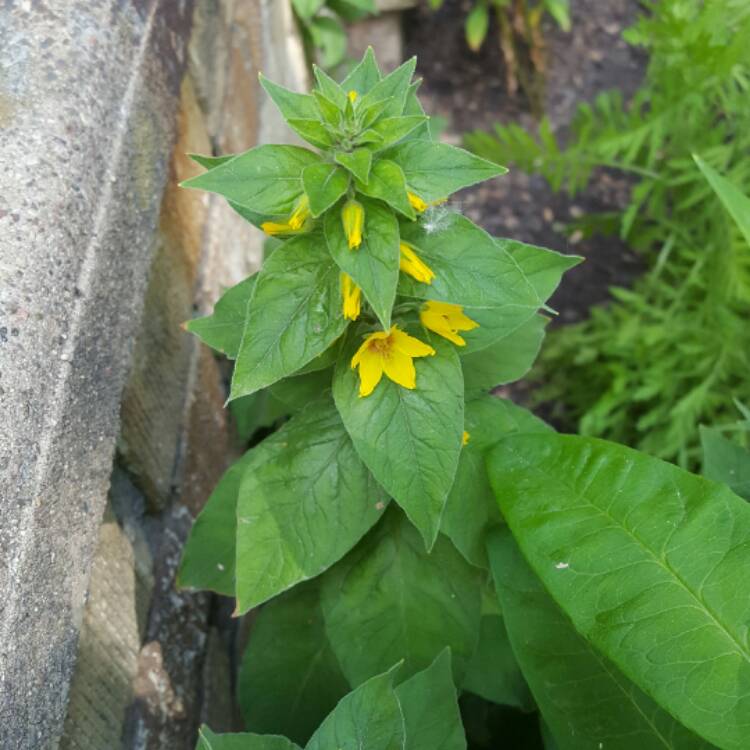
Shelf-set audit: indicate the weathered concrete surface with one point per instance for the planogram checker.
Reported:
(88, 91)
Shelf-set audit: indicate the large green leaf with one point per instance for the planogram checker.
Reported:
(222, 330)
(435, 170)
(329, 88)
(409, 439)
(290, 680)
(725, 461)
(542, 270)
(431, 715)
(294, 314)
(585, 701)
(265, 179)
(493, 672)
(208, 555)
(652, 565)
(207, 740)
(369, 718)
(505, 361)
(324, 184)
(470, 268)
(290, 104)
(285, 508)
(471, 510)
(374, 264)
(387, 182)
(389, 599)
(734, 200)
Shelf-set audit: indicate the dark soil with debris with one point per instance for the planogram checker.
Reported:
(468, 90)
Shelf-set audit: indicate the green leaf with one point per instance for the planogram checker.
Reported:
(285, 506)
(331, 113)
(725, 461)
(560, 11)
(734, 200)
(542, 270)
(209, 162)
(298, 391)
(471, 510)
(253, 412)
(208, 555)
(435, 170)
(374, 264)
(324, 185)
(265, 179)
(364, 76)
(207, 740)
(493, 672)
(290, 104)
(470, 268)
(222, 330)
(289, 679)
(393, 88)
(477, 23)
(505, 361)
(431, 715)
(393, 129)
(369, 718)
(650, 563)
(409, 439)
(294, 315)
(313, 131)
(583, 698)
(330, 38)
(389, 599)
(358, 162)
(387, 183)
(329, 88)
(306, 9)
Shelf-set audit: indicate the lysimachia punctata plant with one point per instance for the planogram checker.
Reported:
(410, 535)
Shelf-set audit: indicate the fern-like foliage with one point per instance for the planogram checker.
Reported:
(675, 350)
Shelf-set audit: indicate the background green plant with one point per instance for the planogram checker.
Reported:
(596, 588)
(519, 24)
(674, 350)
(322, 23)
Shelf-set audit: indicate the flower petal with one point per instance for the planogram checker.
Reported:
(408, 345)
(370, 372)
(399, 367)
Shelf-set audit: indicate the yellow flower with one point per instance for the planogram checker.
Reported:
(419, 205)
(412, 264)
(301, 213)
(446, 320)
(353, 219)
(352, 296)
(466, 437)
(390, 352)
(352, 96)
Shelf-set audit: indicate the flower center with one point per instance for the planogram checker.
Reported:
(381, 346)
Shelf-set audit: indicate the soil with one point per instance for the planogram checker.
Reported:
(468, 90)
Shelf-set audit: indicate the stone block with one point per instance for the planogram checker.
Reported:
(88, 94)
(156, 392)
(101, 689)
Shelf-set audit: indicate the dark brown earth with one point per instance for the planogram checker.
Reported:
(467, 89)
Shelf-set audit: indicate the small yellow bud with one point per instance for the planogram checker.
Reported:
(273, 228)
(301, 213)
(353, 219)
(412, 264)
(466, 437)
(352, 96)
(352, 297)
(416, 202)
